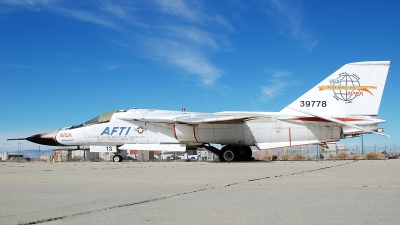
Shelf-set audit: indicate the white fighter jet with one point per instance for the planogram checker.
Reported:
(343, 105)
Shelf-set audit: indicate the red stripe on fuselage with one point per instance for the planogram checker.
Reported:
(174, 128)
(318, 119)
(350, 119)
(194, 134)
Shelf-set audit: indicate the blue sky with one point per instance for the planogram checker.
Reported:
(65, 62)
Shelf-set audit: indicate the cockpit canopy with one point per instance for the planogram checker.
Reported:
(104, 118)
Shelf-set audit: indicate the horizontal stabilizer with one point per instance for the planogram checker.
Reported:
(284, 144)
(155, 147)
(339, 122)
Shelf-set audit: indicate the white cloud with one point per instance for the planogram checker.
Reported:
(193, 34)
(289, 19)
(178, 8)
(198, 65)
(112, 67)
(88, 17)
(92, 13)
(181, 34)
(277, 84)
(274, 89)
(26, 2)
(184, 57)
(192, 12)
(117, 11)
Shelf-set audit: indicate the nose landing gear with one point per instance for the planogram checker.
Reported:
(117, 158)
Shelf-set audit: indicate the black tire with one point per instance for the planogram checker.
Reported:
(240, 153)
(221, 154)
(247, 153)
(228, 154)
(117, 158)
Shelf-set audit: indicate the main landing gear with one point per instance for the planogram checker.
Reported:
(230, 153)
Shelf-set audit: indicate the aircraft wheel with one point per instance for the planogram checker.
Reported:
(227, 155)
(117, 158)
(235, 153)
(247, 153)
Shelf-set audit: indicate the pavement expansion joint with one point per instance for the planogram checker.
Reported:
(177, 194)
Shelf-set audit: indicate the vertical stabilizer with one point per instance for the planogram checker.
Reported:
(355, 89)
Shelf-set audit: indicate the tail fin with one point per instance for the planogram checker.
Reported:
(355, 89)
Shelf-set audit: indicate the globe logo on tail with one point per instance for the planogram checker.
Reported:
(347, 87)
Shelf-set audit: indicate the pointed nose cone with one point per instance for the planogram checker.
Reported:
(48, 138)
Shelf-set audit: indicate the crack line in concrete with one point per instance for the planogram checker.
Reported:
(174, 195)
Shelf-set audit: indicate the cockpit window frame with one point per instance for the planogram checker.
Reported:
(103, 118)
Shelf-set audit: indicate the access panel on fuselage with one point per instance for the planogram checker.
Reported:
(220, 133)
(276, 134)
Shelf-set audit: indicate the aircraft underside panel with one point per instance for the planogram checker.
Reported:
(212, 133)
(265, 134)
(282, 134)
(155, 147)
(234, 134)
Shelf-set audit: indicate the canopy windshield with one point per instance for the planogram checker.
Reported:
(104, 118)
